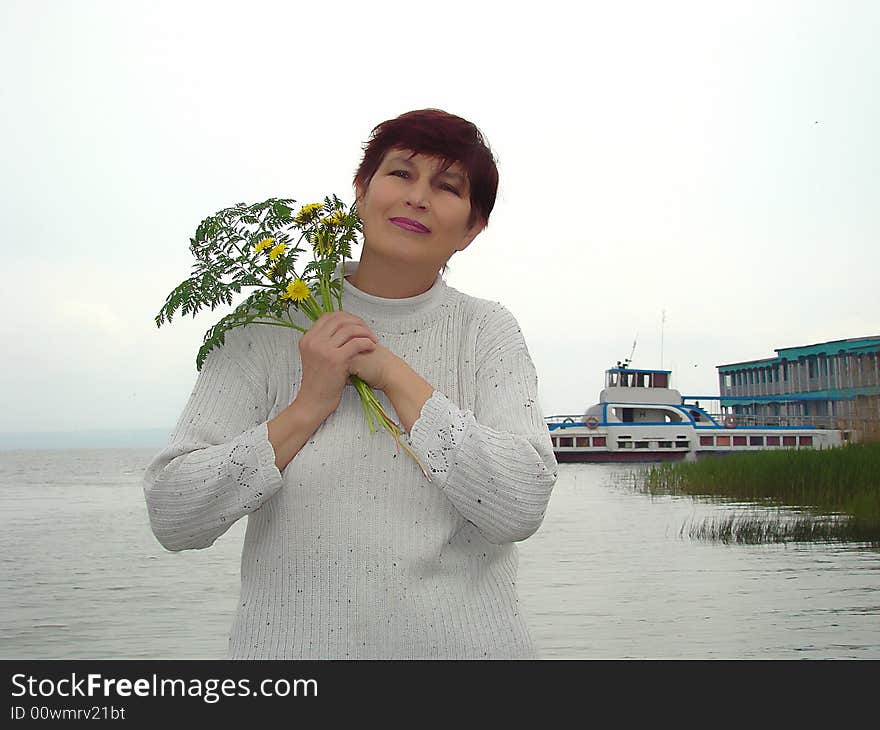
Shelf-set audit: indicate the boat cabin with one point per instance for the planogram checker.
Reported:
(628, 385)
(626, 378)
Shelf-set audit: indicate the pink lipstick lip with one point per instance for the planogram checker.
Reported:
(410, 225)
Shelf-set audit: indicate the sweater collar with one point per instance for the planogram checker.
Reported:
(379, 311)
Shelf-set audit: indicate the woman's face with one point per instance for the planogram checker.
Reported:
(415, 213)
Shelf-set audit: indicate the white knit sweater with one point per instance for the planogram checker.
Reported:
(350, 552)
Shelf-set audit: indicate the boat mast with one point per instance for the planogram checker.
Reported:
(662, 323)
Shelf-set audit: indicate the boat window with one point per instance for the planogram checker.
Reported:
(641, 444)
(598, 440)
(806, 440)
(788, 441)
(672, 417)
(756, 440)
(723, 441)
(665, 444)
(707, 440)
(565, 441)
(773, 441)
(739, 440)
(583, 441)
(682, 444)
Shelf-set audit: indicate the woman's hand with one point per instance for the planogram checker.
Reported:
(404, 387)
(327, 351)
(376, 367)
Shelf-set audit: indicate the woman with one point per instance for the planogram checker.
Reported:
(350, 552)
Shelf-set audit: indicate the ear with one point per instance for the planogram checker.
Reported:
(471, 233)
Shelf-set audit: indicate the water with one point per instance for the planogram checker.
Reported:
(608, 575)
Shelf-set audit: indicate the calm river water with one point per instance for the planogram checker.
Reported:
(608, 575)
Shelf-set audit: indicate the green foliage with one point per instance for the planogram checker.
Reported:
(227, 261)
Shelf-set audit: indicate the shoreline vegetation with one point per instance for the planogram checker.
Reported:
(828, 495)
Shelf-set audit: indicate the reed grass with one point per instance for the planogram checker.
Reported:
(836, 490)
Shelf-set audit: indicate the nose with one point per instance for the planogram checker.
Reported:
(418, 197)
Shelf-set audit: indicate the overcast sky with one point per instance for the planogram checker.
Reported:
(717, 161)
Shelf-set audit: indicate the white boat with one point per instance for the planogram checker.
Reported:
(640, 418)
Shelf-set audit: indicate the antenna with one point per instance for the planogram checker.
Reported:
(628, 360)
(662, 325)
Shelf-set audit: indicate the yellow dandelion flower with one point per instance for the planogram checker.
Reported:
(308, 213)
(297, 290)
(265, 243)
(271, 271)
(277, 251)
(337, 219)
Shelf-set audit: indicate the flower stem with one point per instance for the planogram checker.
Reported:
(373, 411)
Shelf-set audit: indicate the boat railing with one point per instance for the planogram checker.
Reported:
(746, 419)
(564, 418)
(739, 419)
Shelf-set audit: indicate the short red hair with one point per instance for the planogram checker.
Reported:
(439, 134)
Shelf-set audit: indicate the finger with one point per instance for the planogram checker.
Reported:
(355, 347)
(326, 322)
(349, 331)
(347, 320)
(329, 322)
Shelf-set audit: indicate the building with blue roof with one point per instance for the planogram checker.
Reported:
(830, 385)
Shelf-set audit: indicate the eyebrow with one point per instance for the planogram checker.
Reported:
(461, 178)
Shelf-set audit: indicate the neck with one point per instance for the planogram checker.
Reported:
(382, 278)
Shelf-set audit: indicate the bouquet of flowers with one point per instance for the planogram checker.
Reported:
(257, 246)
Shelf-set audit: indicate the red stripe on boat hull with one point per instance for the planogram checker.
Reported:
(564, 457)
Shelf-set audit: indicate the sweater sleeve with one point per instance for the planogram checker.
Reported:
(218, 465)
(496, 464)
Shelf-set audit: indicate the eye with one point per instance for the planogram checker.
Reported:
(399, 173)
(450, 188)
